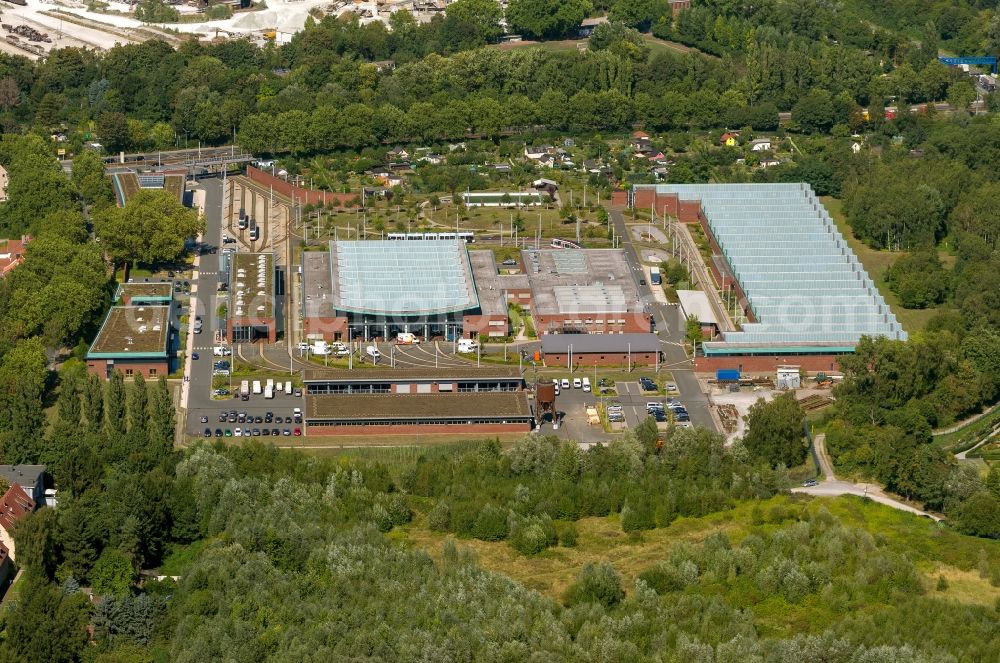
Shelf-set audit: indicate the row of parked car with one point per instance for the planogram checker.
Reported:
(672, 407)
(576, 383)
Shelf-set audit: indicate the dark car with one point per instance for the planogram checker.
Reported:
(258, 420)
(223, 417)
(204, 419)
(194, 356)
(241, 417)
(256, 432)
(245, 397)
(275, 432)
(218, 432)
(647, 384)
(642, 281)
(208, 432)
(265, 431)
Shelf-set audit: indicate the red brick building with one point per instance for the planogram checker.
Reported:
(133, 340)
(624, 350)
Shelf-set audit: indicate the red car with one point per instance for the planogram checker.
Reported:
(297, 432)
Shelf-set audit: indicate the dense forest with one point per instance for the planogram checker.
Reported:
(282, 556)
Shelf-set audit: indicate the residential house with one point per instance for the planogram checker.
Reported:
(569, 142)
(855, 147)
(769, 163)
(761, 145)
(14, 506)
(730, 138)
(677, 6)
(12, 253)
(398, 154)
(5, 565)
(546, 185)
(536, 152)
(547, 161)
(431, 158)
(502, 168)
(31, 479)
(595, 167)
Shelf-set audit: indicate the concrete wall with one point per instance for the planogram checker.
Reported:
(99, 367)
(767, 363)
(416, 429)
(560, 359)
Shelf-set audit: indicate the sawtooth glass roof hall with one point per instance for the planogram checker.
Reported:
(805, 290)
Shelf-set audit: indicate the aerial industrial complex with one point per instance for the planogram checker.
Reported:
(799, 293)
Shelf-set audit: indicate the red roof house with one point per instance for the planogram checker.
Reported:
(14, 506)
(12, 253)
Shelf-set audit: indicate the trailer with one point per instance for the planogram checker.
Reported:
(654, 276)
(256, 387)
(269, 391)
(245, 388)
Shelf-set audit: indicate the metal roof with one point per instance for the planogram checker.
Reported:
(803, 282)
(387, 374)
(593, 343)
(402, 278)
(695, 302)
(424, 407)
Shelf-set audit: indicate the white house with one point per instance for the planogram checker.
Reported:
(761, 145)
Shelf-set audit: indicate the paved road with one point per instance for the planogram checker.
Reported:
(206, 300)
(670, 324)
(831, 486)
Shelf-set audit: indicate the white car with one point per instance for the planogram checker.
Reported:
(303, 347)
(565, 383)
(238, 432)
(586, 384)
(577, 383)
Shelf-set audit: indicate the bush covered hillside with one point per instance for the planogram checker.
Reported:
(280, 557)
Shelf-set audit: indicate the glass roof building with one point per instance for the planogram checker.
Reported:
(806, 290)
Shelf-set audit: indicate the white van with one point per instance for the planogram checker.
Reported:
(221, 351)
(256, 387)
(288, 387)
(467, 345)
(320, 348)
(586, 384)
(406, 338)
(339, 349)
(373, 353)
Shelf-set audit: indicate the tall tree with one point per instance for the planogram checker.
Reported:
(93, 403)
(138, 405)
(162, 422)
(774, 431)
(23, 373)
(46, 624)
(114, 404)
(151, 228)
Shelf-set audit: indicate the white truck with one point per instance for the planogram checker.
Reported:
(288, 387)
(256, 387)
(245, 388)
(467, 345)
(321, 348)
(269, 391)
(221, 351)
(406, 338)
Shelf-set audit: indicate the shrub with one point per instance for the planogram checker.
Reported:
(942, 584)
(439, 517)
(597, 583)
(491, 525)
(532, 534)
(568, 535)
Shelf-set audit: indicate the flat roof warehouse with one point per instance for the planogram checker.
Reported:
(132, 330)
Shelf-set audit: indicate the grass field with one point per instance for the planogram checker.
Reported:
(935, 549)
(876, 263)
(968, 435)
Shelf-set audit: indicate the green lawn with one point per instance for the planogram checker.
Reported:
(876, 263)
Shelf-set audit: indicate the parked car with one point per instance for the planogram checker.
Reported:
(218, 432)
(204, 419)
(647, 384)
(809, 483)
(195, 356)
(208, 432)
(577, 383)
(565, 383)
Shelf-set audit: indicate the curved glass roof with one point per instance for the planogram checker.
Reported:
(402, 278)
